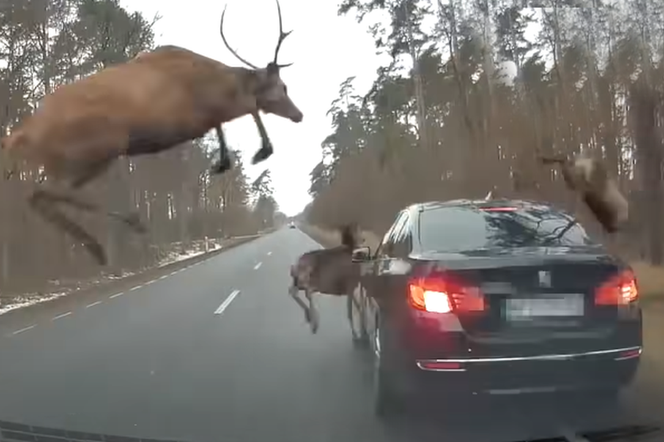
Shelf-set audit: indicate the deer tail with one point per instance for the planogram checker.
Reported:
(349, 236)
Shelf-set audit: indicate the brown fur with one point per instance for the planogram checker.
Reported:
(325, 271)
(599, 191)
(153, 102)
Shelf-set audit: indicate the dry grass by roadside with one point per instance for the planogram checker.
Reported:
(651, 278)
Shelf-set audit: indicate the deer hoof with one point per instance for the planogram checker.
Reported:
(314, 322)
(223, 165)
(262, 155)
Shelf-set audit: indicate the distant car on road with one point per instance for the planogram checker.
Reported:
(291, 225)
(493, 297)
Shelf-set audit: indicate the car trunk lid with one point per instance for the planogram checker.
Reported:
(533, 297)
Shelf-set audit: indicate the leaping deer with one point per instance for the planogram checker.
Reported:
(151, 103)
(325, 271)
(599, 191)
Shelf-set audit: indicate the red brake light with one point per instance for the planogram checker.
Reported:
(444, 294)
(620, 289)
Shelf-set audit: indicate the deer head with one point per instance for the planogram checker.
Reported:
(271, 92)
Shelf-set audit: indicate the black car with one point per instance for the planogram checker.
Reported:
(493, 297)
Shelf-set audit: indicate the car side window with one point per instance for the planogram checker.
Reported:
(387, 246)
(380, 250)
(402, 238)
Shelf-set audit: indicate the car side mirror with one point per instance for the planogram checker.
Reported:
(362, 254)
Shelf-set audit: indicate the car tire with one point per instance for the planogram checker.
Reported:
(388, 403)
(355, 307)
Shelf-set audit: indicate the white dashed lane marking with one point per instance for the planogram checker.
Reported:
(258, 266)
(93, 304)
(23, 330)
(116, 295)
(64, 315)
(224, 305)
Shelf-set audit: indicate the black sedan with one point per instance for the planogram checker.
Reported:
(493, 297)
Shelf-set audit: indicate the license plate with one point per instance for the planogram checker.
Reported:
(551, 307)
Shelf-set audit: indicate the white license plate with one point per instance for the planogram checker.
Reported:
(568, 305)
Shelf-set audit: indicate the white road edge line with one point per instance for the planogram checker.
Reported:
(116, 295)
(258, 266)
(61, 316)
(93, 304)
(24, 329)
(224, 305)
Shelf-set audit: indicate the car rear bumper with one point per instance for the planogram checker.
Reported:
(609, 368)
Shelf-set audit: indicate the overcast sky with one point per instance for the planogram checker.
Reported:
(325, 49)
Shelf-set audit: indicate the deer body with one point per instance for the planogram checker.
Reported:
(153, 102)
(150, 104)
(327, 271)
(598, 190)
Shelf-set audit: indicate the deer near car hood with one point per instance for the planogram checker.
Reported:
(151, 103)
(325, 271)
(590, 179)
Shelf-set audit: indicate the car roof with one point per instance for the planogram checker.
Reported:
(500, 202)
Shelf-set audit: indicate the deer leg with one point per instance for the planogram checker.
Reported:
(294, 292)
(45, 207)
(266, 149)
(314, 319)
(224, 164)
(132, 220)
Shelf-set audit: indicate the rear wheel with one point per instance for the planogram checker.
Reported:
(388, 403)
(355, 306)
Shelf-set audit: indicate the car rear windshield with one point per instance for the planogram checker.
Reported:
(462, 228)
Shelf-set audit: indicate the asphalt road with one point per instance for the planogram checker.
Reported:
(218, 352)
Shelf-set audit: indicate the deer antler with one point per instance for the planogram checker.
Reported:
(282, 37)
(232, 51)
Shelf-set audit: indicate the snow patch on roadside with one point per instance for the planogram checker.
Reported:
(173, 257)
(177, 256)
(124, 275)
(28, 300)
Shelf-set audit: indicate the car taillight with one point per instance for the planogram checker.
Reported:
(444, 294)
(620, 289)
